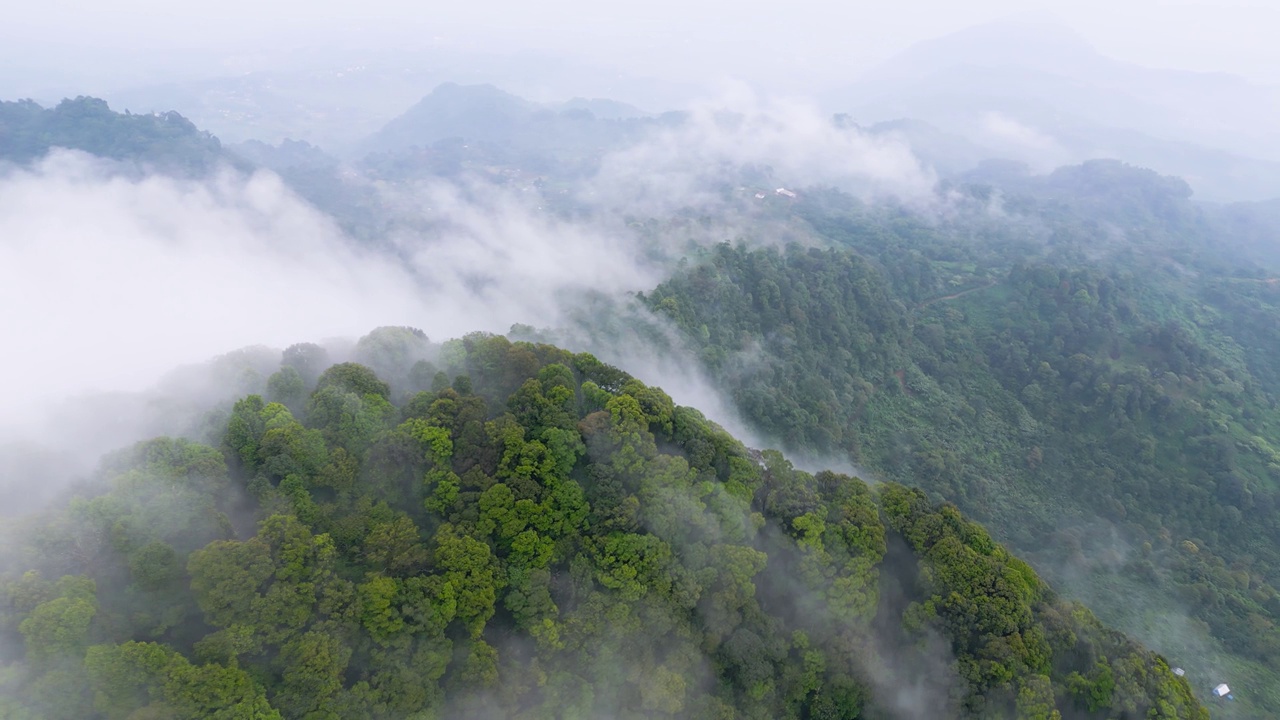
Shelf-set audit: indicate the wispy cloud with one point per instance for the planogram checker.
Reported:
(684, 164)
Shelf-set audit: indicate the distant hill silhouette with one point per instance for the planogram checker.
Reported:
(162, 141)
(1041, 94)
(485, 113)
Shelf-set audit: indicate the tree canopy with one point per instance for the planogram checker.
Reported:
(539, 536)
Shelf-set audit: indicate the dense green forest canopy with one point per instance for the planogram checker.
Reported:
(499, 529)
(1085, 362)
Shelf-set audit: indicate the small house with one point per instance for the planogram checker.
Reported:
(1221, 691)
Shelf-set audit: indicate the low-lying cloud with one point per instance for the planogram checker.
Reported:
(110, 281)
(800, 144)
(1037, 149)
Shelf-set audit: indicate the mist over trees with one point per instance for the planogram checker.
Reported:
(539, 534)
(1114, 369)
(1011, 333)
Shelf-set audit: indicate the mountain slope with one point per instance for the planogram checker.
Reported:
(1087, 367)
(536, 535)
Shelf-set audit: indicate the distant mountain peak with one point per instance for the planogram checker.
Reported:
(1033, 42)
(486, 114)
(1031, 88)
(451, 110)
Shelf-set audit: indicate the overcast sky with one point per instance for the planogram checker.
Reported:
(668, 39)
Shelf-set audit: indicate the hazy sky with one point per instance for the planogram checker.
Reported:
(670, 39)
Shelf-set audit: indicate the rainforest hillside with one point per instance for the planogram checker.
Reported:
(495, 529)
(1086, 363)
(1079, 361)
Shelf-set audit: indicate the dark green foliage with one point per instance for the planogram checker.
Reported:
(838, 336)
(1012, 637)
(353, 378)
(350, 405)
(1090, 351)
(555, 540)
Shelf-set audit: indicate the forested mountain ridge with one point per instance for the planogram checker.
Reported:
(1088, 370)
(513, 530)
(166, 142)
(1081, 361)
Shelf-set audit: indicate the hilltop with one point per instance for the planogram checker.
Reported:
(520, 531)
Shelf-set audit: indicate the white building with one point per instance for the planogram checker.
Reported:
(1221, 691)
